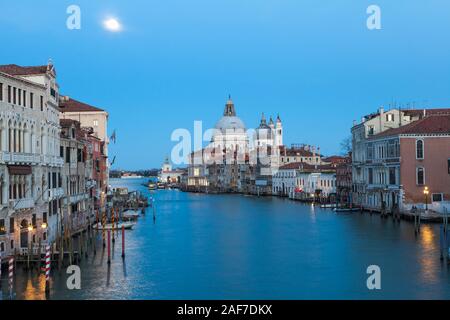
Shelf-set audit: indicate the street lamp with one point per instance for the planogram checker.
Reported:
(44, 226)
(426, 192)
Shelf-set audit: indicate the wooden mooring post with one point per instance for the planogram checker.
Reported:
(416, 221)
(86, 243)
(445, 220)
(123, 242)
(71, 257)
(103, 228)
(109, 247)
(113, 220)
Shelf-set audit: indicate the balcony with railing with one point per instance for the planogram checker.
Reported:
(52, 160)
(19, 158)
(24, 203)
(55, 193)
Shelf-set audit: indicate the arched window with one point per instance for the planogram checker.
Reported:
(419, 149)
(420, 176)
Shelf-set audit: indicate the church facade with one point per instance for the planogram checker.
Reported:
(237, 159)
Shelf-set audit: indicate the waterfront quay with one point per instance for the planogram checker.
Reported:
(247, 247)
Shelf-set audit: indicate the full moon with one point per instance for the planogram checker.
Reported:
(112, 25)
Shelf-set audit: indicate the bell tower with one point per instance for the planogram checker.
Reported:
(279, 132)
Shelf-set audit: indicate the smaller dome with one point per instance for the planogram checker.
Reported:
(264, 132)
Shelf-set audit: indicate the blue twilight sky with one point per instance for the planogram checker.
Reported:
(176, 61)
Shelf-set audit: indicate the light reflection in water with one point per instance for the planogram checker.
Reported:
(427, 260)
(35, 288)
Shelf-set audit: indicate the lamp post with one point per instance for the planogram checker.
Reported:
(426, 192)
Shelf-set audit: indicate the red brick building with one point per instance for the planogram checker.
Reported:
(344, 180)
(99, 171)
(407, 160)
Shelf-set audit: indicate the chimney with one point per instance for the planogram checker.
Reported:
(381, 110)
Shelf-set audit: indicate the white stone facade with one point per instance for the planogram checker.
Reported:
(29, 155)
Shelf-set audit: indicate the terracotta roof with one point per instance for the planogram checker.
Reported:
(433, 124)
(335, 159)
(15, 70)
(292, 166)
(426, 112)
(294, 152)
(67, 104)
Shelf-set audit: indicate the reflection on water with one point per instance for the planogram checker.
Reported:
(428, 238)
(427, 259)
(34, 288)
(236, 247)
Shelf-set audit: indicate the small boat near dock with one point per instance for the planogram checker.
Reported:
(109, 226)
(130, 215)
(328, 206)
(345, 210)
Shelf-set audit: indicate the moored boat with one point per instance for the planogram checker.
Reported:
(130, 215)
(328, 205)
(109, 226)
(346, 210)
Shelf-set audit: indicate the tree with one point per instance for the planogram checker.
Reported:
(346, 146)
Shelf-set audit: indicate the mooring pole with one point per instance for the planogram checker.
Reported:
(123, 242)
(11, 276)
(113, 216)
(109, 247)
(47, 270)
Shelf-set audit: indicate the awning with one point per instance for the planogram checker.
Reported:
(19, 170)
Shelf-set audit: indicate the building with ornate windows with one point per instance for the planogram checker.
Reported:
(396, 154)
(53, 171)
(78, 210)
(30, 164)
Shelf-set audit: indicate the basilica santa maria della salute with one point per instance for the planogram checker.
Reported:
(231, 132)
(237, 159)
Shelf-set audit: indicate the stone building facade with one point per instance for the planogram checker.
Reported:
(382, 173)
(29, 158)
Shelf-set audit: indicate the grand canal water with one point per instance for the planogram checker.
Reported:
(239, 247)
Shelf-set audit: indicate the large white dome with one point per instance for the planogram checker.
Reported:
(228, 123)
